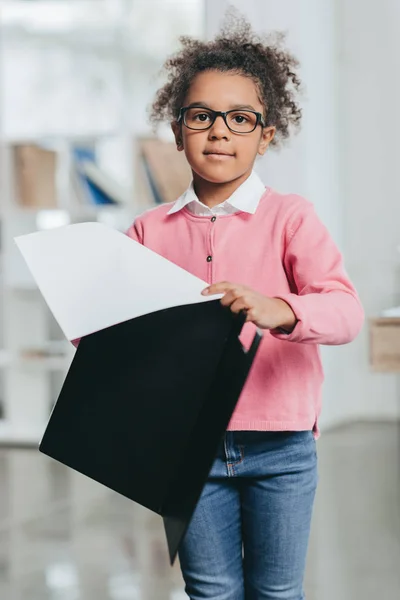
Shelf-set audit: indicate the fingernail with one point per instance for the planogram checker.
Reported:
(205, 292)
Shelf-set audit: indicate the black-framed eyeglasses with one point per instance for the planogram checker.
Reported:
(237, 120)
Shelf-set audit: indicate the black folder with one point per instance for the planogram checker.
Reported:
(146, 402)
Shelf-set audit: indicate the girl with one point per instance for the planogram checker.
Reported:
(228, 100)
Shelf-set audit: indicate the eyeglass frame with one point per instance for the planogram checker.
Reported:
(223, 114)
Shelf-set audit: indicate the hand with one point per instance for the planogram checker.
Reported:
(265, 312)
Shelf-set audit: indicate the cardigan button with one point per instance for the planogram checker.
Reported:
(209, 258)
(213, 219)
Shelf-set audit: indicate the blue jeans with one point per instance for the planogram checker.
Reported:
(249, 534)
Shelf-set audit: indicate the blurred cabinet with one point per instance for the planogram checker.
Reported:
(385, 344)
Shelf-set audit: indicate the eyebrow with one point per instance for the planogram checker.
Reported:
(233, 106)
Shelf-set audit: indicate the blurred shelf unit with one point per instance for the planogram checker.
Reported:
(45, 184)
(75, 82)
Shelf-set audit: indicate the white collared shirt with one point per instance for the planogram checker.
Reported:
(245, 198)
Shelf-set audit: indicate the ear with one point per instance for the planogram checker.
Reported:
(177, 131)
(268, 134)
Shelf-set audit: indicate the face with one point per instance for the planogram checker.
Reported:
(222, 92)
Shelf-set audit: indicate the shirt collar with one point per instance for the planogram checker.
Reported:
(245, 198)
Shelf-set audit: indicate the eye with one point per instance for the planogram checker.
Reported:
(202, 117)
(240, 119)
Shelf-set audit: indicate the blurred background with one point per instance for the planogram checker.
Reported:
(76, 78)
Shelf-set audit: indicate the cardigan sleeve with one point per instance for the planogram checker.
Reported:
(326, 304)
(135, 231)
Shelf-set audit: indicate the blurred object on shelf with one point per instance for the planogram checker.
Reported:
(385, 344)
(165, 170)
(35, 176)
(109, 187)
(91, 184)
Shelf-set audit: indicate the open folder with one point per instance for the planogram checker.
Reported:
(157, 373)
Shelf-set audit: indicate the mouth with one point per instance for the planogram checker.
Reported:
(218, 155)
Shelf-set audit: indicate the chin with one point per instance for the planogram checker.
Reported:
(216, 175)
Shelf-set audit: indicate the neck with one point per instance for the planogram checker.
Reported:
(211, 194)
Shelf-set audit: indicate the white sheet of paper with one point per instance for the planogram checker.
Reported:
(93, 277)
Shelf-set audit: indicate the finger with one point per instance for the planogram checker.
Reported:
(230, 297)
(239, 305)
(218, 288)
(251, 315)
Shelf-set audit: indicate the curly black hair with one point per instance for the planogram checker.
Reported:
(237, 48)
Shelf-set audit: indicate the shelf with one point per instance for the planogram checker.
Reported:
(61, 138)
(78, 211)
(48, 363)
(11, 436)
(44, 364)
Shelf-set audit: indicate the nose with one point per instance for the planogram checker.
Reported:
(219, 129)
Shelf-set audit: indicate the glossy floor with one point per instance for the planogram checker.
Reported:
(63, 537)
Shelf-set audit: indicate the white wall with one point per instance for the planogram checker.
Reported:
(343, 163)
(368, 66)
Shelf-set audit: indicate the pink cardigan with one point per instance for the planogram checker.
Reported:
(283, 251)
